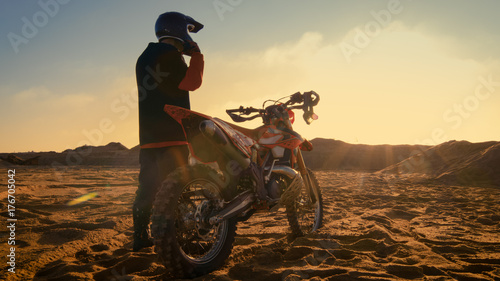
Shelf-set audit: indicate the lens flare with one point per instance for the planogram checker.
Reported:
(82, 199)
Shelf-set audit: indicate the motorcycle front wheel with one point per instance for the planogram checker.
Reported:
(305, 214)
(186, 243)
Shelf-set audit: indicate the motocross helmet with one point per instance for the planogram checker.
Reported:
(176, 25)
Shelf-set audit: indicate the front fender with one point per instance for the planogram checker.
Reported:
(306, 146)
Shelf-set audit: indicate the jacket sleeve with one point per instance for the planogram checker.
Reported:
(194, 73)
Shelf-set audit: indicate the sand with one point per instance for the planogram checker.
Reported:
(377, 227)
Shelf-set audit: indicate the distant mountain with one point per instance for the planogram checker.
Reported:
(113, 153)
(458, 162)
(329, 154)
(112, 146)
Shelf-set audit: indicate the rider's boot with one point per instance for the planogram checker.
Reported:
(142, 238)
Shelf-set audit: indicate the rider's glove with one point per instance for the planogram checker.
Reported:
(190, 47)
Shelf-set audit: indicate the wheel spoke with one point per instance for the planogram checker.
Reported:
(197, 238)
(186, 243)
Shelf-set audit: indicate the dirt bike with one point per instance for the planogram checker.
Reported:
(238, 172)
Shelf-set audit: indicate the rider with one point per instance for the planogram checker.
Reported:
(163, 78)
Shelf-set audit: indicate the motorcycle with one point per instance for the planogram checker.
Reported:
(237, 172)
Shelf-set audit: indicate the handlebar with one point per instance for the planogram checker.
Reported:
(308, 100)
(243, 111)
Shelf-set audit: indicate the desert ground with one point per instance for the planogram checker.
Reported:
(376, 227)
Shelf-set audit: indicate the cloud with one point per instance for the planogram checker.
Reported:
(290, 52)
(469, 29)
(258, 75)
(42, 97)
(39, 93)
(59, 119)
(394, 91)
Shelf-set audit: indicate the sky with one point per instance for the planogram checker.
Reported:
(387, 71)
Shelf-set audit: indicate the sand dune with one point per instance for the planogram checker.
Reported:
(377, 227)
(455, 162)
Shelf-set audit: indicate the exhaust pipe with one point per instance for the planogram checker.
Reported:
(238, 205)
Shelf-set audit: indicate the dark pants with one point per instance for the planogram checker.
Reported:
(156, 164)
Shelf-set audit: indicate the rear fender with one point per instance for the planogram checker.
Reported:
(203, 150)
(200, 149)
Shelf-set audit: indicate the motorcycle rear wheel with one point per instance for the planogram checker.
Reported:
(186, 243)
(305, 214)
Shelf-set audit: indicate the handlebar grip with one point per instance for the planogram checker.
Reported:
(236, 118)
(234, 110)
(242, 111)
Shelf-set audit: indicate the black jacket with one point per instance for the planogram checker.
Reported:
(159, 70)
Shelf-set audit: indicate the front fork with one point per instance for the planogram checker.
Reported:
(305, 175)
